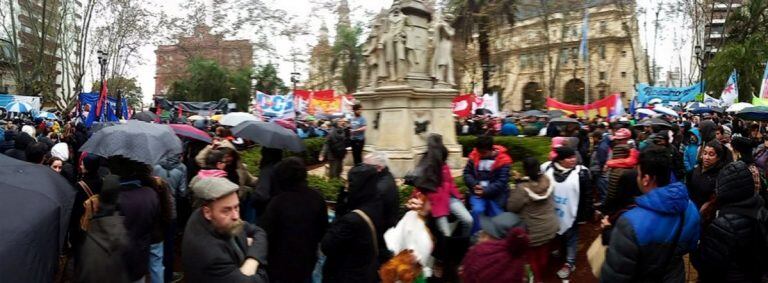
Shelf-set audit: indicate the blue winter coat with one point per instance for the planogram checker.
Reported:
(173, 172)
(640, 242)
(691, 151)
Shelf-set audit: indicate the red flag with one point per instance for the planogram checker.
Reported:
(462, 105)
(323, 94)
(102, 100)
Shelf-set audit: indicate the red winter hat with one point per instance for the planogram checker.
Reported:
(621, 134)
(497, 261)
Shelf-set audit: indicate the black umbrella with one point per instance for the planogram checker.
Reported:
(139, 141)
(754, 113)
(145, 116)
(656, 122)
(36, 204)
(483, 111)
(95, 127)
(563, 121)
(269, 135)
(556, 113)
(532, 113)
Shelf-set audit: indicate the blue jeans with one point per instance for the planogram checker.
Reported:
(156, 268)
(602, 186)
(481, 206)
(462, 216)
(571, 237)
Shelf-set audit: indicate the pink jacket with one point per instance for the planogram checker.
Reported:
(440, 199)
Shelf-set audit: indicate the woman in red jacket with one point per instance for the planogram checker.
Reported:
(436, 182)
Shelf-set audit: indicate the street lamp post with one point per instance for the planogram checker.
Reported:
(294, 80)
(102, 56)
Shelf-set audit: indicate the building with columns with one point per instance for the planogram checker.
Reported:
(538, 57)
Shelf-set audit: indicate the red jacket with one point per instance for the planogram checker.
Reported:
(502, 158)
(628, 162)
(440, 199)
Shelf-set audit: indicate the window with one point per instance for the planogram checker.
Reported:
(603, 27)
(564, 55)
(575, 53)
(564, 32)
(602, 52)
(602, 94)
(573, 32)
(623, 54)
(523, 61)
(602, 76)
(623, 74)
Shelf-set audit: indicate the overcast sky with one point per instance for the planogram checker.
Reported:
(302, 9)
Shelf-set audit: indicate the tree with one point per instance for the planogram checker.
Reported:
(129, 87)
(348, 55)
(207, 81)
(481, 17)
(267, 80)
(746, 58)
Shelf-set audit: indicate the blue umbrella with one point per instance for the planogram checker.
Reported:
(47, 115)
(18, 106)
(755, 113)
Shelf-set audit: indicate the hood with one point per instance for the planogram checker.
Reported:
(170, 162)
(109, 233)
(538, 190)
(23, 140)
(670, 199)
(60, 150)
(707, 129)
(502, 158)
(696, 133)
(362, 185)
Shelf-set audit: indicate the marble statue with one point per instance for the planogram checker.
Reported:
(394, 44)
(442, 59)
(374, 56)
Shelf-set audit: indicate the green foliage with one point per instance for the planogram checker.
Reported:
(517, 147)
(746, 57)
(329, 188)
(267, 80)
(129, 86)
(348, 55)
(206, 80)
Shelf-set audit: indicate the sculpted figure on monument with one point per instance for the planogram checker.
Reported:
(442, 60)
(394, 44)
(374, 63)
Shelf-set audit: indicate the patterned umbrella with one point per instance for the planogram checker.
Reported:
(18, 106)
(47, 115)
(187, 131)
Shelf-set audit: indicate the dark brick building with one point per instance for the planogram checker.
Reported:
(172, 59)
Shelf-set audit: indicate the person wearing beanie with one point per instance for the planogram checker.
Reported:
(487, 178)
(101, 254)
(295, 222)
(573, 200)
(732, 247)
(501, 260)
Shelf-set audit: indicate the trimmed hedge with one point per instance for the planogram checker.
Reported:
(517, 147)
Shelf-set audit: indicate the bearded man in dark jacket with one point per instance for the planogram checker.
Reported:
(732, 248)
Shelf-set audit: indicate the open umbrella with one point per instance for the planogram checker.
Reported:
(665, 111)
(216, 117)
(532, 113)
(235, 118)
(269, 135)
(754, 113)
(702, 109)
(483, 111)
(187, 131)
(563, 121)
(195, 118)
(47, 115)
(658, 122)
(98, 126)
(646, 111)
(145, 116)
(556, 113)
(19, 107)
(139, 141)
(738, 107)
(36, 203)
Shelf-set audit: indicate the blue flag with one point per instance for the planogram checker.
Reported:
(584, 46)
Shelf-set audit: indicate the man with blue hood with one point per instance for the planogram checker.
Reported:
(691, 150)
(650, 240)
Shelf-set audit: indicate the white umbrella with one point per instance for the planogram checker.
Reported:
(195, 117)
(738, 107)
(647, 111)
(235, 118)
(655, 101)
(47, 115)
(664, 110)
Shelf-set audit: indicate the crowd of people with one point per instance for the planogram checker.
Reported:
(668, 193)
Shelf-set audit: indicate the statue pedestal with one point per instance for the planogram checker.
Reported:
(392, 113)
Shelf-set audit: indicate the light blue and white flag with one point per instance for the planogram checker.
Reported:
(584, 46)
(730, 94)
(764, 83)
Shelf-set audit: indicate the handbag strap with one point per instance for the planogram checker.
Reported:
(673, 247)
(373, 231)
(86, 188)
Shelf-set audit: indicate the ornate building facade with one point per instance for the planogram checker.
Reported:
(538, 57)
(172, 59)
(321, 56)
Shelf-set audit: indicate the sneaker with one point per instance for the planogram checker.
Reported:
(565, 271)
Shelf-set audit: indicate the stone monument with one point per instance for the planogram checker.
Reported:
(408, 84)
